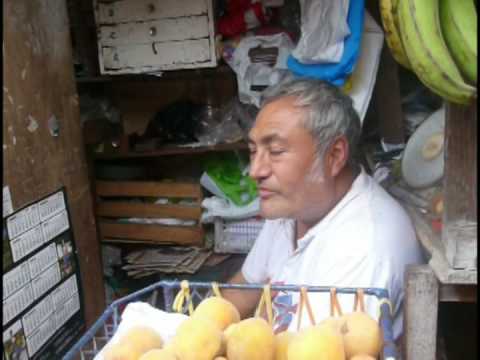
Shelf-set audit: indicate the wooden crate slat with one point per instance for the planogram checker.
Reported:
(148, 188)
(140, 210)
(182, 235)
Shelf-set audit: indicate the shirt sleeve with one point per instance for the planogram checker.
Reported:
(255, 267)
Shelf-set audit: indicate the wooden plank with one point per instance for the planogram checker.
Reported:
(458, 293)
(38, 86)
(460, 186)
(128, 209)
(148, 188)
(387, 100)
(175, 150)
(425, 234)
(435, 252)
(445, 273)
(420, 313)
(181, 235)
(84, 35)
(222, 70)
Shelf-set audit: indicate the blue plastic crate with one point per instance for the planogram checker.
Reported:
(103, 329)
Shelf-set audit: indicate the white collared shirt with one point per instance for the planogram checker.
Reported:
(366, 240)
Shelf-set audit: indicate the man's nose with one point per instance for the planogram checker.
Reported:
(260, 166)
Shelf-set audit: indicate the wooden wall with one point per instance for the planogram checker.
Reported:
(39, 85)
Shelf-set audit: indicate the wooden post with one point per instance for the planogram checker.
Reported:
(82, 23)
(39, 85)
(387, 100)
(420, 313)
(459, 234)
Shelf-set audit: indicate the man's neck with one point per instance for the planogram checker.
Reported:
(342, 187)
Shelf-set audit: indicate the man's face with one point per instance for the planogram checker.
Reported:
(283, 155)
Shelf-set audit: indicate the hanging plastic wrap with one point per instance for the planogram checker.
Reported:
(227, 124)
(324, 28)
(337, 72)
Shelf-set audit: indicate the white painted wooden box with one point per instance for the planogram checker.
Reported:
(144, 36)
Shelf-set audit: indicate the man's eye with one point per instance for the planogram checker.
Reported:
(276, 152)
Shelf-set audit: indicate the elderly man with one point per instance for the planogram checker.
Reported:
(328, 222)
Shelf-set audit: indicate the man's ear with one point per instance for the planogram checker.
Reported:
(337, 156)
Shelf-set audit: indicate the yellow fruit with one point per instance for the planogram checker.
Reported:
(197, 339)
(333, 322)
(362, 357)
(121, 351)
(159, 354)
(135, 342)
(218, 310)
(320, 342)
(361, 335)
(251, 339)
(229, 330)
(223, 346)
(143, 338)
(282, 340)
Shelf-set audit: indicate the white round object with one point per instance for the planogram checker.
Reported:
(423, 159)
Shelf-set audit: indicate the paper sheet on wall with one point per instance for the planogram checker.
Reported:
(42, 311)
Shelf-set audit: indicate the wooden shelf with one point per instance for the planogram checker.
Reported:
(170, 74)
(173, 150)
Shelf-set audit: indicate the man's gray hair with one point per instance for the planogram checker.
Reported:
(329, 112)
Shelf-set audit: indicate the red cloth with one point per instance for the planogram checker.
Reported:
(234, 22)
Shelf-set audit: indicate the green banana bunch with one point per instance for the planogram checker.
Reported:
(459, 28)
(388, 12)
(427, 52)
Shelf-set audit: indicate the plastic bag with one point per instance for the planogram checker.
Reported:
(417, 106)
(324, 28)
(143, 314)
(94, 108)
(336, 73)
(245, 114)
(251, 77)
(226, 171)
(219, 126)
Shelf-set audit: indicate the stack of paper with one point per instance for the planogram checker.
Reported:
(165, 260)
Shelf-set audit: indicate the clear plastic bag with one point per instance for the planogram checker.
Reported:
(92, 108)
(230, 123)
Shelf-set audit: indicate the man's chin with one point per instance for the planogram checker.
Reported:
(271, 214)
